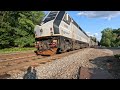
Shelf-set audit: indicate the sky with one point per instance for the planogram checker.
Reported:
(93, 22)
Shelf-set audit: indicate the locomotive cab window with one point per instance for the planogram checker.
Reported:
(75, 24)
(51, 16)
(67, 19)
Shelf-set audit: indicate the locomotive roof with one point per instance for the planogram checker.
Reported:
(55, 12)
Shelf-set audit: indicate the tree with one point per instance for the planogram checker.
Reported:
(17, 27)
(107, 43)
(110, 37)
(106, 37)
(93, 38)
(6, 33)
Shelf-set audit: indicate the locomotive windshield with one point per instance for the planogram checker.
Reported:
(51, 16)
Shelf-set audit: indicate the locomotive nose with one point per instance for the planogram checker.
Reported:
(37, 27)
(38, 30)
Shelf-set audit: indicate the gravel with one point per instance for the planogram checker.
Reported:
(67, 67)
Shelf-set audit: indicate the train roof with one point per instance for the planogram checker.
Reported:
(53, 13)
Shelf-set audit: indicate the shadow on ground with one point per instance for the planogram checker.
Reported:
(108, 67)
(31, 73)
(5, 76)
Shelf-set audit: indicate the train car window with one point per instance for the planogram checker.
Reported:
(57, 21)
(59, 18)
(67, 19)
(60, 15)
(51, 16)
(75, 24)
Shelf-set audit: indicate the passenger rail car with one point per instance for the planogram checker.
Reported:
(58, 32)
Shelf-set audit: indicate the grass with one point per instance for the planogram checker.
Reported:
(16, 49)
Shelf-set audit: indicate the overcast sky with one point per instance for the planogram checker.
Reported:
(93, 22)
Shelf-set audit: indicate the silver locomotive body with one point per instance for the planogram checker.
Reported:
(58, 30)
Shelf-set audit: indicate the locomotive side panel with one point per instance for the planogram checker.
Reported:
(71, 30)
(65, 30)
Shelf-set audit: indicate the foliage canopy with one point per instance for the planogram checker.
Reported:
(110, 37)
(17, 28)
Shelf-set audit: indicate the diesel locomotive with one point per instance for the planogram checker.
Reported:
(58, 32)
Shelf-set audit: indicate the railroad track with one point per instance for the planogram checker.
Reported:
(5, 57)
(17, 58)
(31, 61)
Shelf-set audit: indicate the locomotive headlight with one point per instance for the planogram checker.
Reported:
(41, 30)
(51, 31)
(38, 42)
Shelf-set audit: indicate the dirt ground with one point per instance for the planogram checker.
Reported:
(90, 73)
(115, 51)
(111, 72)
(109, 66)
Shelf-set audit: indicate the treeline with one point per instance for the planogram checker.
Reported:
(17, 28)
(93, 38)
(110, 37)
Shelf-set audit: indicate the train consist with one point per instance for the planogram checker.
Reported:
(58, 32)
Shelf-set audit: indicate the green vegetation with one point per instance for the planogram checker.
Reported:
(117, 56)
(17, 28)
(14, 50)
(110, 37)
(93, 38)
